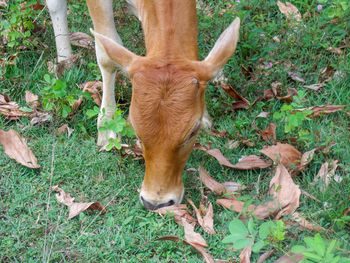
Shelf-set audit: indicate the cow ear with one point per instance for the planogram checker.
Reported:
(223, 49)
(119, 54)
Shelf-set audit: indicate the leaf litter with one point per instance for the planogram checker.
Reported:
(16, 148)
(76, 208)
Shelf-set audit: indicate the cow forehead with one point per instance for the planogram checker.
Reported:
(166, 102)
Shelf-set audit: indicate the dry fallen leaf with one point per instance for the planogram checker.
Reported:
(10, 109)
(265, 256)
(179, 212)
(63, 129)
(290, 258)
(269, 134)
(40, 118)
(245, 254)
(32, 100)
(326, 173)
(241, 102)
(291, 92)
(326, 74)
(81, 39)
(286, 196)
(304, 223)
(315, 87)
(207, 257)
(295, 76)
(306, 158)
(283, 153)
(3, 3)
(191, 236)
(290, 11)
(334, 50)
(323, 109)
(245, 163)
(76, 208)
(209, 182)
(93, 87)
(17, 149)
(206, 222)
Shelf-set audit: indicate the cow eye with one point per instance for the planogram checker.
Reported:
(195, 130)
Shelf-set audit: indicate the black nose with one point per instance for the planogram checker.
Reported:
(150, 206)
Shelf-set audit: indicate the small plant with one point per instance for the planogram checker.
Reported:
(117, 124)
(56, 98)
(293, 118)
(318, 250)
(267, 233)
(16, 25)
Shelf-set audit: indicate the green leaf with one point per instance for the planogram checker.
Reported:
(232, 238)
(319, 243)
(330, 247)
(242, 243)
(92, 112)
(264, 230)
(312, 256)
(66, 110)
(47, 78)
(237, 227)
(251, 226)
(258, 246)
(298, 249)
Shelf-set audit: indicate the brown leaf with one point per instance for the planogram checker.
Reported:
(135, 150)
(245, 163)
(323, 109)
(209, 182)
(245, 254)
(63, 129)
(304, 223)
(283, 153)
(191, 236)
(306, 158)
(286, 197)
(326, 173)
(179, 212)
(290, 11)
(315, 87)
(171, 238)
(3, 3)
(233, 186)
(269, 134)
(295, 76)
(334, 50)
(76, 208)
(17, 149)
(40, 118)
(32, 100)
(94, 88)
(290, 258)
(285, 191)
(10, 109)
(241, 102)
(326, 74)
(291, 92)
(81, 39)
(265, 256)
(65, 64)
(206, 222)
(207, 257)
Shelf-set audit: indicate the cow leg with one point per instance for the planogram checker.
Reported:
(101, 12)
(58, 13)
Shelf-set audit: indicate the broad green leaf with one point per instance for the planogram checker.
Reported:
(257, 246)
(242, 243)
(310, 242)
(251, 226)
(298, 249)
(237, 227)
(330, 247)
(319, 243)
(231, 238)
(264, 230)
(312, 256)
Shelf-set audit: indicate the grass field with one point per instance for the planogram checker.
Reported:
(34, 226)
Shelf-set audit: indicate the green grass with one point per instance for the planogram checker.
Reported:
(127, 232)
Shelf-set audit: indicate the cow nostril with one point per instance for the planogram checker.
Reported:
(151, 206)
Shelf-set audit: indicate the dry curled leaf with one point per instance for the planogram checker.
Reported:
(290, 11)
(323, 109)
(306, 224)
(245, 254)
(32, 100)
(286, 196)
(291, 92)
(241, 102)
(76, 208)
(17, 149)
(265, 256)
(315, 87)
(40, 118)
(326, 74)
(209, 182)
(326, 173)
(191, 236)
(269, 134)
(179, 212)
(295, 76)
(290, 258)
(81, 39)
(207, 257)
(10, 109)
(245, 163)
(207, 221)
(283, 153)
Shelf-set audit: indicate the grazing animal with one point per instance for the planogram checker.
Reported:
(168, 86)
